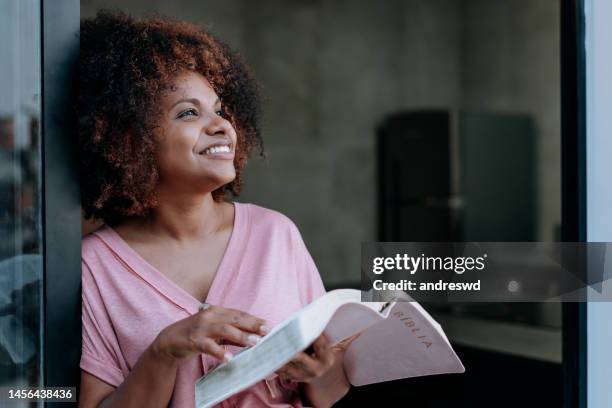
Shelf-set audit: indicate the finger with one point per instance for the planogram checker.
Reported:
(293, 373)
(282, 372)
(321, 347)
(228, 333)
(321, 342)
(323, 352)
(306, 365)
(242, 320)
(208, 346)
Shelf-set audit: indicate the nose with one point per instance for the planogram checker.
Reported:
(217, 126)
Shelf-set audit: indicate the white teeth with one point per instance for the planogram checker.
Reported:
(217, 149)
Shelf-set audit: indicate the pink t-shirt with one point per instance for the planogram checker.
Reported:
(266, 270)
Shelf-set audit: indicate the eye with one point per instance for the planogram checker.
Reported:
(220, 112)
(188, 112)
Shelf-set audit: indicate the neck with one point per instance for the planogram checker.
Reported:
(185, 216)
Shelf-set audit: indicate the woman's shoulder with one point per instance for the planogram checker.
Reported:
(92, 244)
(91, 240)
(267, 219)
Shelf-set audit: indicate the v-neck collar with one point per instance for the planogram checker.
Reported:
(229, 264)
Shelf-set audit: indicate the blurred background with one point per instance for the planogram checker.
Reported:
(402, 120)
(21, 262)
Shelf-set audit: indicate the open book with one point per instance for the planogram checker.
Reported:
(395, 340)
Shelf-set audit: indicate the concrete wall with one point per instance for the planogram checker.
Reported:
(332, 70)
(511, 63)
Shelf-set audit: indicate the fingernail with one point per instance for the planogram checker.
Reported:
(253, 338)
(227, 356)
(264, 329)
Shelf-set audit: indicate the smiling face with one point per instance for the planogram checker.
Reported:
(197, 142)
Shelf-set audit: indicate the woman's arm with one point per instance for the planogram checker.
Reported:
(151, 381)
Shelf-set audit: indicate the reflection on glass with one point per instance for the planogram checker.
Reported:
(477, 157)
(20, 203)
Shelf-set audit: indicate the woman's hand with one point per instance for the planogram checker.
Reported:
(309, 367)
(306, 367)
(322, 371)
(205, 331)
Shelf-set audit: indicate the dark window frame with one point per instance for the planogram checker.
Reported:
(573, 191)
(61, 214)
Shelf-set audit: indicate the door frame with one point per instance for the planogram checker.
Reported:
(61, 213)
(573, 191)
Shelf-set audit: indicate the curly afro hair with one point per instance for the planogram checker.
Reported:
(124, 68)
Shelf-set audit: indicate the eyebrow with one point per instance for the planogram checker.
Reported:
(194, 101)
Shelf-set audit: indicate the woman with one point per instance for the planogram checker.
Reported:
(179, 278)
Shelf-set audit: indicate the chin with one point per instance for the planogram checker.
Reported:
(221, 179)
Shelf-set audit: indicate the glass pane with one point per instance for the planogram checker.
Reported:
(20, 198)
(467, 95)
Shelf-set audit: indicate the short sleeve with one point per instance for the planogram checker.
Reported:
(311, 285)
(99, 352)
